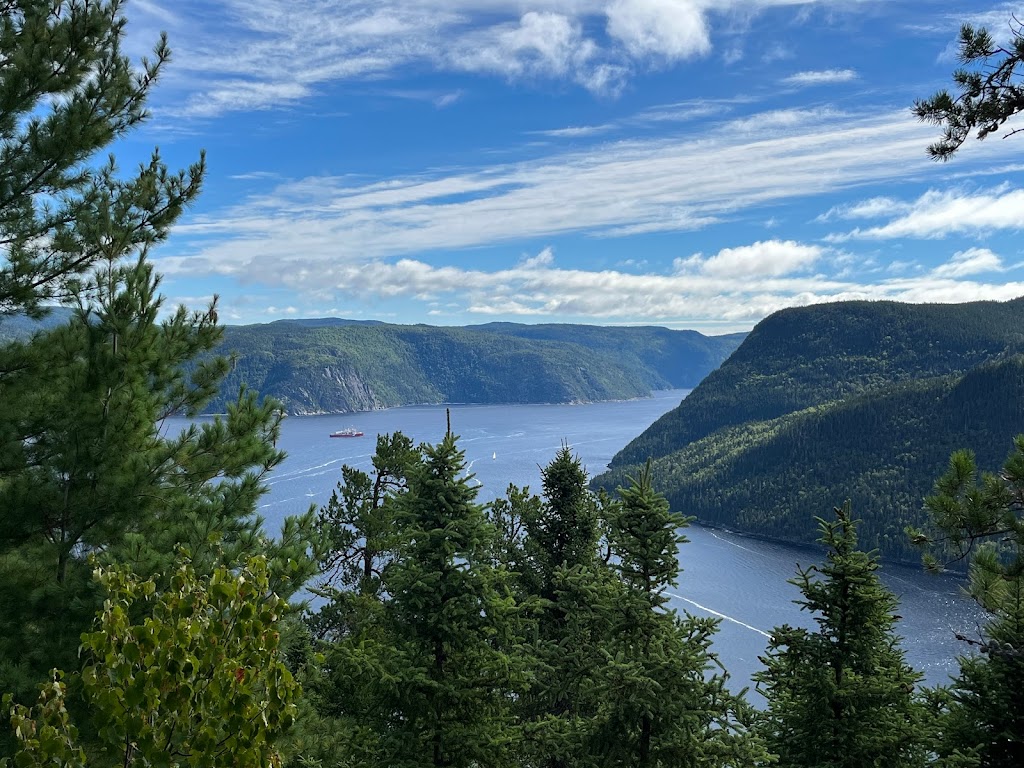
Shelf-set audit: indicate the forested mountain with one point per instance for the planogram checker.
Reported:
(19, 326)
(334, 366)
(860, 401)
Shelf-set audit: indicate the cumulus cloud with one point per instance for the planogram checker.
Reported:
(767, 258)
(539, 44)
(539, 290)
(940, 213)
(973, 261)
(543, 259)
(821, 77)
(672, 29)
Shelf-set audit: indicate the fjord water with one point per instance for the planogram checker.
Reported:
(741, 580)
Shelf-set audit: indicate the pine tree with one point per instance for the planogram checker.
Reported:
(988, 96)
(842, 696)
(360, 539)
(982, 520)
(662, 704)
(85, 468)
(359, 536)
(66, 92)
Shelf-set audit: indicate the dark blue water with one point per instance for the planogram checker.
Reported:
(742, 581)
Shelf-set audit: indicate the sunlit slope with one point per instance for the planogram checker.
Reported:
(326, 367)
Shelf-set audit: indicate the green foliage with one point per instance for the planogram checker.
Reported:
(562, 532)
(457, 624)
(198, 682)
(842, 696)
(86, 468)
(67, 92)
(570, 595)
(987, 97)
(44, 733)
(982, 518)
(354, 367)
(357, 525)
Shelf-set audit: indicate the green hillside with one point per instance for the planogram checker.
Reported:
(806, 356)
(847, 401)
(325, 366)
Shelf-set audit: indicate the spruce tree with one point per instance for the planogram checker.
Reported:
(443, 659)
(563, 531)
(842, 696)
(571, 594)
(662, 702)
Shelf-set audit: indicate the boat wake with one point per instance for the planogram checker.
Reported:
(733, 543)
(719, 615)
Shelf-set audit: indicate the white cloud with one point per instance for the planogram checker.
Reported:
(767, 258)
(937, 214)
(672, 29)
(539, 290)
(821, 77)
(999, 21)
(539, 44)
(973, 261)
(574, 131)
(447, 99)
(543, 259)
(236, 55)
(608, 190)
(873, 208)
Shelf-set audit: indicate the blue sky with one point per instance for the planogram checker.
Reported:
(687, 163)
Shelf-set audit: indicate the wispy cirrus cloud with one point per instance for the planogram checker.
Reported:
(873, 208)
(937, 214)
(607, 190)
(575, 131)
(820, 77)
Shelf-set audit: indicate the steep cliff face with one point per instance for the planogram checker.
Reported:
(332, 390)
